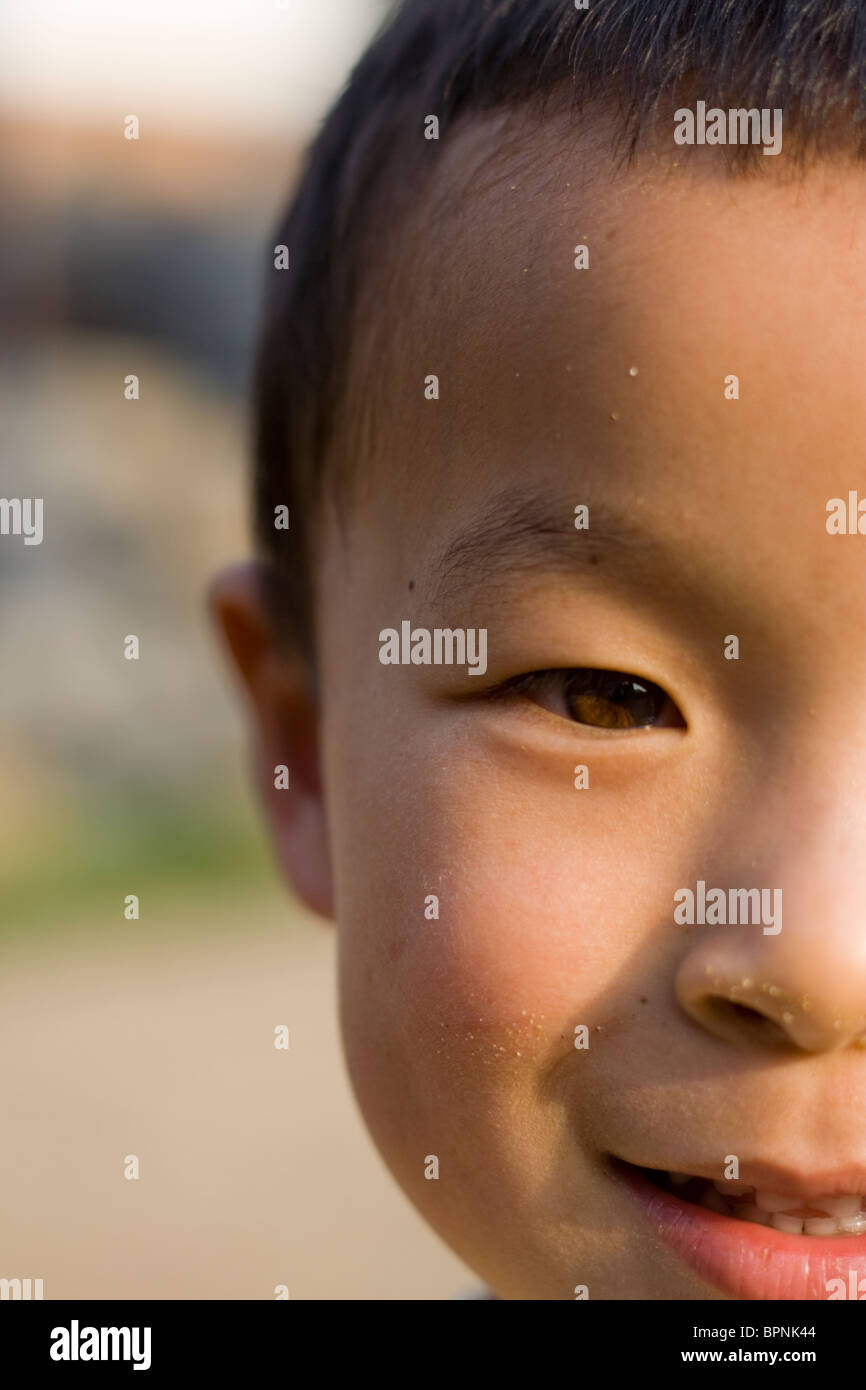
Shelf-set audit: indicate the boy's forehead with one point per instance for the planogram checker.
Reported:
(700, 360)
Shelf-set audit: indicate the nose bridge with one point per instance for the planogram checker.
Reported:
(796, 977)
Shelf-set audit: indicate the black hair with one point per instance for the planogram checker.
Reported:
(452, 57)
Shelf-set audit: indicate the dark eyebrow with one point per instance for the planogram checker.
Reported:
(523, 530)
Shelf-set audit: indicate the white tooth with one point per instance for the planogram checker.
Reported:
(729, 1188)
(792, 1224)
(713, 1201)
(771, 1201)
(678, 1179)
(821, 1226)
(838, 1206)
(747, 1211)
(853, 1225)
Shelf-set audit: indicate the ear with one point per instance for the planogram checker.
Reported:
(284, 719)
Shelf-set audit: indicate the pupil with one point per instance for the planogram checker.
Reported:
(622, 691)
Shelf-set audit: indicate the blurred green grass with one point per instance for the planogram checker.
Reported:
(161, 848)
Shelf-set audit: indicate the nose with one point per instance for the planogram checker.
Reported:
(765, 995)
(802, 988)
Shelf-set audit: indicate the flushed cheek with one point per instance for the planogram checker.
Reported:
(470, 955)
(461, 1045)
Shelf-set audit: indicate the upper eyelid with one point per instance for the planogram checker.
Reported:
(578, 670)
(563, 671)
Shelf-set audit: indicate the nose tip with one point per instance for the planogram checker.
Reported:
(766, 1003)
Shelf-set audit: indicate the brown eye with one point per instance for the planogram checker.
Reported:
(615, 700)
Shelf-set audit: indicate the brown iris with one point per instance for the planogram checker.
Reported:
(615, 700)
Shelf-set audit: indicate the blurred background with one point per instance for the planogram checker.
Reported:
(155, 1037)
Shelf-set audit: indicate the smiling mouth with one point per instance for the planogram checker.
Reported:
(839, 1215)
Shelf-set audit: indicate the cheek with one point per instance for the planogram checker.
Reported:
(461, 1013)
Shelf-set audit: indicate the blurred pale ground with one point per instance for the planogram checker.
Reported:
(154, 1037)
(254, 1168)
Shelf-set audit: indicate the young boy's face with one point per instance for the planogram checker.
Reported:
(608, 387)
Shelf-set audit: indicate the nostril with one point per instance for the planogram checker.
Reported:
(732, 1018)
(758, 995)
(741, 1011)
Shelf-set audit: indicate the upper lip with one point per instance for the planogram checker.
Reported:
(781, 1180)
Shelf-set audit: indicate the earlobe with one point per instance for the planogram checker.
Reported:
(285, 726)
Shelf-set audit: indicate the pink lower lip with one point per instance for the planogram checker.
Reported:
(744, 1259)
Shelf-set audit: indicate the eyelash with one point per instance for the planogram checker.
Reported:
(603, 693)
